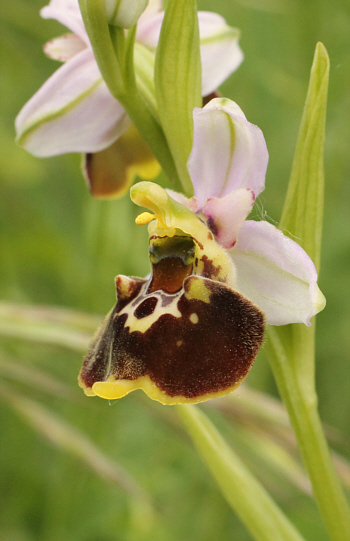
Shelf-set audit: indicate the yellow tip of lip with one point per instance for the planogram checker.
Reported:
(112, 390)
(145, 218)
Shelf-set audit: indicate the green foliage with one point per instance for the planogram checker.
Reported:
(303, 209)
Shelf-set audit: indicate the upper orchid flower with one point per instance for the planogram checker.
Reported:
(75, 112)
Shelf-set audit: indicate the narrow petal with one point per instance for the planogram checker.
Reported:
(64, 47)
(228, 152)
(226, 214)
(111, 172)
(149, 23)
(72, 112)
(148, 28)
(220, 51)
(66, 12)
(276, 274)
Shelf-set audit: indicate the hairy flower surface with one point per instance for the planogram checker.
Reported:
(184, 334)
(75, 112)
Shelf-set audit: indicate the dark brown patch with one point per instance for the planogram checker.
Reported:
(106, 172)
(169, 274)
(213, 355)
(210, 270)
(212, 226)
(146, 308)
(207, 99)
(96, 361)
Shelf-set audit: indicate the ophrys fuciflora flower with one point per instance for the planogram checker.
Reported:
(184, 334)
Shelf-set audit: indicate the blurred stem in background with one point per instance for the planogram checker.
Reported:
(248, 498)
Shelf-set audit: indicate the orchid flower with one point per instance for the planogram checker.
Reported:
(75, 112)
(183, 334)
(227, 166)
(192, 329)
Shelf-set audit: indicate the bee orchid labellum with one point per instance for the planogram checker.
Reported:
(183, 334)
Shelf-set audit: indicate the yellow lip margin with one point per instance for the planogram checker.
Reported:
(112, 389)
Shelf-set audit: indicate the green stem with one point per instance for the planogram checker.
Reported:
(301, 403)
(248, 498)
(95, 21)
(111, 68)
(152, 133)
(291, 349)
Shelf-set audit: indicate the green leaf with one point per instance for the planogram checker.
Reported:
(178, 81)
(291, 349)
(303, 209)
(255, 507)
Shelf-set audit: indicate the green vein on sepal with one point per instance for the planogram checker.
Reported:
(49, 117)
(227, 33)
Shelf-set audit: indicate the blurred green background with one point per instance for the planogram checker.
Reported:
(59, 247)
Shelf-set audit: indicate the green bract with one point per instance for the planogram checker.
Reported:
(124, 13)
(178, 95)
(303, 209)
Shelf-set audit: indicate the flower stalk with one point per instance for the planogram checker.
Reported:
(255, 507)
(301, 403)
(291, 349)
